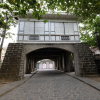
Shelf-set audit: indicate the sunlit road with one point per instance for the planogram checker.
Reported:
(52, 85)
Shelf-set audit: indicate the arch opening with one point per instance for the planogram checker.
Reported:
(45, 64)
(62, 60)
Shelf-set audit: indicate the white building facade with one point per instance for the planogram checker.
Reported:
(51, 28)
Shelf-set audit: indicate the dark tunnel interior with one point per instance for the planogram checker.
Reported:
(63, 60)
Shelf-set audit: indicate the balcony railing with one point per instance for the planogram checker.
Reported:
(45, 38)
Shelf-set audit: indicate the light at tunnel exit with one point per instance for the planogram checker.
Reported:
(45, 64)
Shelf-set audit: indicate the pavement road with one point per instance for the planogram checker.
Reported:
(52, 85)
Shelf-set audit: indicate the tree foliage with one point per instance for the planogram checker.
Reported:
(86, 10)
(89, 31)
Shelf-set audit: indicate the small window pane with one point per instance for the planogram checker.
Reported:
(47, 26)
(42, 38)
(58, 38)
(47, 38)
(20, 37)
(64, 37)
(71, 28)
(46, 32)
(75, 27)
(52, 38)
(39, 24)
(52, 27)
(26, 38)
(39, 30)
(76, 37)
(29, 28)
(21, 26)
(66, 28)
(76, 33)
(35, 37)
(71, 37)
(59, 28)
(52, 32)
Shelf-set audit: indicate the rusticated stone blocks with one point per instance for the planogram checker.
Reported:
(12, 62)
(86, 59)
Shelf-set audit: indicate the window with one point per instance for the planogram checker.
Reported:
(52, 38)
(26, 37)
(39, 27)
(35, 37)
(59, 28)
(71, 37)
(47, 27)
(76, 37)
(71, 28)
(20, 37)
(64, 37)
(21, 26)
(29, 28)
(58, 38)
(52, 28)
(66, 28)
(41, 38)
(47, 38)
(75, 27)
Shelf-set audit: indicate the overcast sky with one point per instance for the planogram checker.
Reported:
(13, 39)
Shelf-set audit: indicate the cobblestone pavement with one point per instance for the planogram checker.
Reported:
(52, 85)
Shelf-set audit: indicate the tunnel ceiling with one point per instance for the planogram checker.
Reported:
(47, 53)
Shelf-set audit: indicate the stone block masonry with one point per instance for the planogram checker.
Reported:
(14, 65)
(86, 59)
(12, 62)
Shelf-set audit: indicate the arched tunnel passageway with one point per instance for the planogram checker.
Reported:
(45, 64)
(63, 59)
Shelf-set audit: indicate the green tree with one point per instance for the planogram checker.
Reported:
(86, 10)
(90, 30)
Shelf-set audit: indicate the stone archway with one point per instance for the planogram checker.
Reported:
(14, 63)
(63, 58)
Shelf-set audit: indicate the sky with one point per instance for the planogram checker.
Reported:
(14, 37)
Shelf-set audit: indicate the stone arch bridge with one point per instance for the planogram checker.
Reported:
(21, 58)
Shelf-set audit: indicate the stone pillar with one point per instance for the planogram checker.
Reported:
(86, 59)
(13, 64)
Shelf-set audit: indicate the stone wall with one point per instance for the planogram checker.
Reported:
(97, 61)
(11, 67)
(86, 59)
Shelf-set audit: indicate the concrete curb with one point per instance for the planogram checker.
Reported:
(11, 86)
(90, 82)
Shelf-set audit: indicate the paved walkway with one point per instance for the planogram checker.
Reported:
(53, 85)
